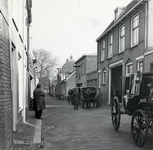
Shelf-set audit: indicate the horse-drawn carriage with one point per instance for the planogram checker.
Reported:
(83, 95)
(92, 91)
(135, 101)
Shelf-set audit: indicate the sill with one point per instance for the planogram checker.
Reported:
(134, 46)
(121, 52)
(20, 110)
(102, 61)
(104, 84)
(110, 57)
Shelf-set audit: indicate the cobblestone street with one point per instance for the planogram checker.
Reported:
(69, 129)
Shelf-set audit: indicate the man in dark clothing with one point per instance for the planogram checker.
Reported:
(34, 103)
(88, 98)
(76, 99)
(98, 98)
(39, 101)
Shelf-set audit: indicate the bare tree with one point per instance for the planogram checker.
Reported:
(45, 64)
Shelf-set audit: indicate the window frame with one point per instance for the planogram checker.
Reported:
(104, 76)
(138, 65)
(121, 38)
(102, 50)
(135, 30)
(127, 65)
(99, 79)
(110, 46)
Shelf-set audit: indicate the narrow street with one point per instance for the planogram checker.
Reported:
(69, 129)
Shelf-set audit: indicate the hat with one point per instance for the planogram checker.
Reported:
(38, 85)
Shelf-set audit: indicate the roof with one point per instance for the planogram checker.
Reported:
(85, 55)
(68, 66)
(127, 10)
(71, 75)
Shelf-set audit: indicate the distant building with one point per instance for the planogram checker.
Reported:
(70, 81)
(85, 64)
(125, 46)
(63, 74)
(52, 86)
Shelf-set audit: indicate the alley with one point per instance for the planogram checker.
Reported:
(69, 129)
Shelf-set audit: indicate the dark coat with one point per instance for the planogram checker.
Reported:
(76, 98)
(39, 99)
(87, 96)
(98, 98)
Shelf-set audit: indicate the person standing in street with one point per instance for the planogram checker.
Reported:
(39, 101)
(98, 98)
(76, 99)
(34, 103)
(88, 98)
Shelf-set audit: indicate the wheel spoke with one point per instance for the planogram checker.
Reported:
(139, 127)
(115, 114)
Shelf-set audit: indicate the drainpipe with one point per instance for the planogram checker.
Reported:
(29, 5)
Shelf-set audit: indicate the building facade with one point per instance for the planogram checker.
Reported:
(15, 17)
(85, 64)
(70, 82)
(125, 46)
(92, 78)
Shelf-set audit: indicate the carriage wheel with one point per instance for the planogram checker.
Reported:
(115, 112)
(139, 127)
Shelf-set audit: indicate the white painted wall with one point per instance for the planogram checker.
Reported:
(17, 11)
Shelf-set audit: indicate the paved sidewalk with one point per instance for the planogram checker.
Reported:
(30, 136)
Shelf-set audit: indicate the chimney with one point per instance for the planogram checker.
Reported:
(71, 57)
(118, 11)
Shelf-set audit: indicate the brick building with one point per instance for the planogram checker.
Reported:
(6, 130)
(85, 64)
(15, 17)
(125, 46)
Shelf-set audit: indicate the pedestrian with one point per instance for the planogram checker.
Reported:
(88, 98)
(71, 96)
(39, 100)
(98, 98)
(34, 103)
(76, 99)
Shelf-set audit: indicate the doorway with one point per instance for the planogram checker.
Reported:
(115, 81)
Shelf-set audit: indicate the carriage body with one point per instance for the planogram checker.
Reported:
(92, 91)
(136, 92)
(135, 102)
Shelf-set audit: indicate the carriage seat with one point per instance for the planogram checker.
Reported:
(146, 105)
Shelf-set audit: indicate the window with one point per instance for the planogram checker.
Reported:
(99, 79)
(104, 77)
(140, 65)
(84, 68)
(129, 68)
(110, 46)
(102, 50)
(81, 67)
(135, 30)
(122, 39)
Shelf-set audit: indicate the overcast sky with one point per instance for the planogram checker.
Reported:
(67, 27)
